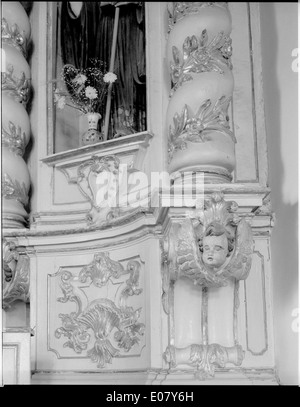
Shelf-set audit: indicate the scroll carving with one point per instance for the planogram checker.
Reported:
(15, 275)
(205, 358)
(109, 325)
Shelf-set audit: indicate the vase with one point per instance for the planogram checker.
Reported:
(92, 135)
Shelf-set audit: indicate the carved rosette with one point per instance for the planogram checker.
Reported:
(199, 59)
(15, 274)
(102, 328)
(16, 84)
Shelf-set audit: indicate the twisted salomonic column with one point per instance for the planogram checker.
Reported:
(15, 75)
(198, 56)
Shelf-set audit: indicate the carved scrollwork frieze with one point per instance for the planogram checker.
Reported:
(101, 327)
(15, 274)
(196, 128)
(200, 55)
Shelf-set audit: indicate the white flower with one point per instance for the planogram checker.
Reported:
(80, 79)
(110, 77)
(91, 92)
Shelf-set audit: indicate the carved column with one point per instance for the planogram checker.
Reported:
(15, 31)
(198, 56)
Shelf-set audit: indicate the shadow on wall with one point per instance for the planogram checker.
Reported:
(279, 37)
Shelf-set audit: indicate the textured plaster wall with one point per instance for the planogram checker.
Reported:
(279, 25)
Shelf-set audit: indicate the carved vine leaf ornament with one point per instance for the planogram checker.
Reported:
(14, 139)
(178, 9)
(15, 276)
(101, 321)
(195, 128)
(199, 55)
(18, 88)
(12, 36)
(14, 190)
(217, 226)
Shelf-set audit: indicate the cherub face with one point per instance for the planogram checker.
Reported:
(215, 250)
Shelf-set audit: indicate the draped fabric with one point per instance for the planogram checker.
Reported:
(90, 35)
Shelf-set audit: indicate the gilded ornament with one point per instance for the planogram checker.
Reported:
(14, 190)
(14, 140)
(195, 128)
(179, 9)
(13, 36)
(198, 55)
(18, 88)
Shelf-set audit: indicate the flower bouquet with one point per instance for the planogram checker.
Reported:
(85, 90)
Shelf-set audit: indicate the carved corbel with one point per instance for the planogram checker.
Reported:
(15, 275)
(213, 247)
(205, 358)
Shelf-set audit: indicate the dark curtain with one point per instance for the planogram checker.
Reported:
(90, 36)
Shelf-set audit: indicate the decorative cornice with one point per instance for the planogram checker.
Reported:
(11, 35)
(101, 320)
(198, 55)
(179, 9)
(18, 88)
(14, 140)
(15, 278)
(196, 128)
(13, 190)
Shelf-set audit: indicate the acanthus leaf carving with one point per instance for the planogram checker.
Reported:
(195, 128)
(102, 319)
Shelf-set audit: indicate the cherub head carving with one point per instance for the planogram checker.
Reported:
(216, 246)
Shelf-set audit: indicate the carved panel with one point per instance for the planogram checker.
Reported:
(256, 313)
(96, 311)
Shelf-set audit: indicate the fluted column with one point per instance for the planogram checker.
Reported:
(15, 72)
(198, 57)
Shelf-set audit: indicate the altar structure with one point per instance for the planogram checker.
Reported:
(145, 258)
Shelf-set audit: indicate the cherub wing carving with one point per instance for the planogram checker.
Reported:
(240, 263)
